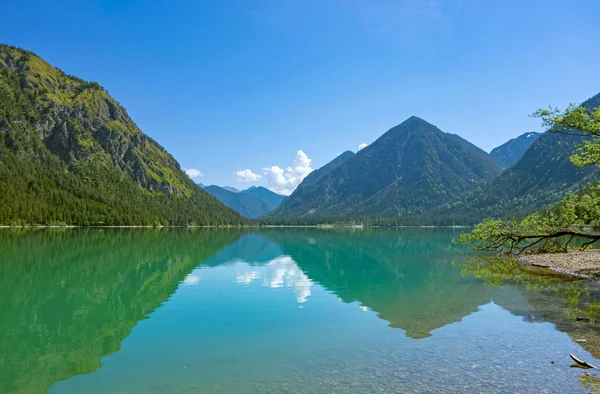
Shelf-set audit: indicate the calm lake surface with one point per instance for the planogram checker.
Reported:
(285, 310)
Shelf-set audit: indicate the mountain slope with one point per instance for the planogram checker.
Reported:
(408, 170)
(543, 176)
(265, 194)
(316, 175)
(511, 152)
(70, 154)
(246, 205)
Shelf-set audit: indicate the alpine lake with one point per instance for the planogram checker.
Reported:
(284, 311)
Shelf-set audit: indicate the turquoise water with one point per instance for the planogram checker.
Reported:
(296, 310)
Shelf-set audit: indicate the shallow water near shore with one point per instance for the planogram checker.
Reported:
(283, 310)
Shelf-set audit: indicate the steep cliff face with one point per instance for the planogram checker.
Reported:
(53, 125)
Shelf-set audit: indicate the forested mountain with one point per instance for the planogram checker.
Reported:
(410, 169)
(316, 175)
(70, 154)
(543, 176)
(263, 193)
(245, 204)
(511, 152)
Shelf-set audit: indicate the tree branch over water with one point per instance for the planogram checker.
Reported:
(534, 234)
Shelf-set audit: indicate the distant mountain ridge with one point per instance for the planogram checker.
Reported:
(251, 203)
(265, 194)
(511, 152)
(410, 169)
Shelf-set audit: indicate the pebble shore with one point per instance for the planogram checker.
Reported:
(584, 264)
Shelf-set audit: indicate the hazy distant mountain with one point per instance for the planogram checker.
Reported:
(263, 193)
(411, 168)
(231, 189)
(70, 154)
(511, 152)
(245, 204)
(542, 176)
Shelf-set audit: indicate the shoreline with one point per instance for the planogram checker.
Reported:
(244, 226)
(581, 264)
(74, 226)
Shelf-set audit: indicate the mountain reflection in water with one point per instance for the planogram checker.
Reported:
(69, 298)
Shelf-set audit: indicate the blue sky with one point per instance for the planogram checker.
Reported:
(232, 85)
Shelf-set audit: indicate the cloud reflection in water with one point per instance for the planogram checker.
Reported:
(279, 272)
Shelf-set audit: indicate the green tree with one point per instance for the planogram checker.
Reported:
(579, 121)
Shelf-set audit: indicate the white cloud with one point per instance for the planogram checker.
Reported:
(285, 181)
(191, 280)
(362, 146)
(246, 176)
(193, 173)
